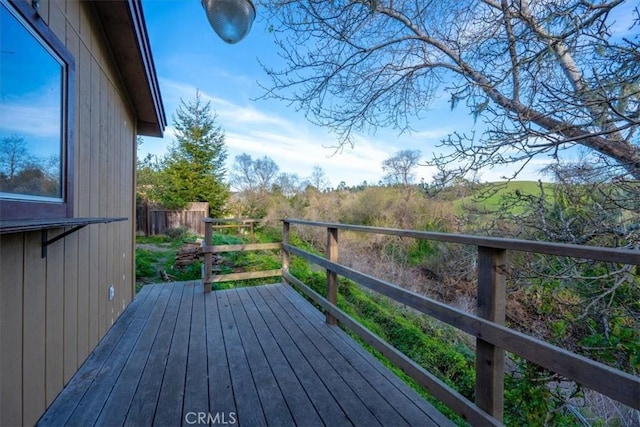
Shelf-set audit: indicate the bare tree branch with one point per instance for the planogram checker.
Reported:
(534, 72)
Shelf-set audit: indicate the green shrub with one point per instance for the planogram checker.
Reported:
(144, 263)
(176, 233)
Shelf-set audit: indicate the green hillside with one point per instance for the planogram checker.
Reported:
(488, 197)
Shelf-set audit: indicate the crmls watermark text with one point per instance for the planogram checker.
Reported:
(218, 418)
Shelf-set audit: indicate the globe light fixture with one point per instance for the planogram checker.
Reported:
(230, 19)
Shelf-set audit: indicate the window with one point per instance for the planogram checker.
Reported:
(36, 84)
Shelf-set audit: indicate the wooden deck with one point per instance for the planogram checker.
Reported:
(250, 356)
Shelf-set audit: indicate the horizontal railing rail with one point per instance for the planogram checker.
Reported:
(492, 337)
(235, 221)
(623, 256)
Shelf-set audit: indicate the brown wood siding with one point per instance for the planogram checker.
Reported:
(11, 326)
(54, 310)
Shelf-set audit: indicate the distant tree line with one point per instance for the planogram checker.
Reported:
(21, 172)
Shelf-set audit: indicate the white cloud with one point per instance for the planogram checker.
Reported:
(30, 119)
(296, 145)
(298, 155)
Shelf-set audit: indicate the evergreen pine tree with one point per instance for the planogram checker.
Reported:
(194, 168)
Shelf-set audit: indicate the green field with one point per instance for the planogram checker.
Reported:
(489, 197)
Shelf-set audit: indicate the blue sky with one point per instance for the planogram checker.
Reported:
(188, 55)
(30, 92)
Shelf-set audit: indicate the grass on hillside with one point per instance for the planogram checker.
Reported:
(489, 196)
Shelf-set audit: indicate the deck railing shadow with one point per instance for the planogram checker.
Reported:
(493, 338)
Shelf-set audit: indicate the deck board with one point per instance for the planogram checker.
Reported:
(361, 381)
(300, 406)
(145, 399)
(171, 399)
(332, 372)
(327, 407)
(380, 377)
(249, 356)
(61, 410)
(221, 399)
(122, 394)
(197, 386)
(274, 406)
(244, 388)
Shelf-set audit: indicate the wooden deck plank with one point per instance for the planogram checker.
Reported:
(221, 400)
(330, 371)
(374, 399)
(94, 400)
(274, 406)
(326, 406)
(379, 376)
(301, 407)
(196, 397)
(69, 398)
(144, 402)
(124, 389)
(249, 408)
(252, 356)
(170, 402)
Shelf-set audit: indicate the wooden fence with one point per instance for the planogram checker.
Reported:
(493, 338)
(208, 249)
(151, 220)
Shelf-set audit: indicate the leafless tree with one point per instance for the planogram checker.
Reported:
(543, 75)
(318, 178)
(241, 177)
(14, 156)
(254, 175)
(289, 184)
(400, 168)
(254, 179)
(265, 172)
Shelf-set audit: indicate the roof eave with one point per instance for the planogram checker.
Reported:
(125, 29)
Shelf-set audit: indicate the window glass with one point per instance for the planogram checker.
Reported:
(32, 130)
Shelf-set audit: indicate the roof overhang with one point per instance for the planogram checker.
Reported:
(124, 26)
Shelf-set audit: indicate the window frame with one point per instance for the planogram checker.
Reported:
(24, 209)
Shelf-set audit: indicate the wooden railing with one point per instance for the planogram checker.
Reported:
(208, 249)
(492, 337)
(226, 223)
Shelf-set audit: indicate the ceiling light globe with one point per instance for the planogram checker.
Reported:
(230, 19)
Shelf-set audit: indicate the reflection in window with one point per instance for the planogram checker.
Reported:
(32, 145)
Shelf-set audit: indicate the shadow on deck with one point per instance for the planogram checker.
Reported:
(250, 356)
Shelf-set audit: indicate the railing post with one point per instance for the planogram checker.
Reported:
(332, 277)
(208, 242)
(285, 252)
(491, 306)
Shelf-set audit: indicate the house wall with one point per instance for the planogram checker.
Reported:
(54, 310)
